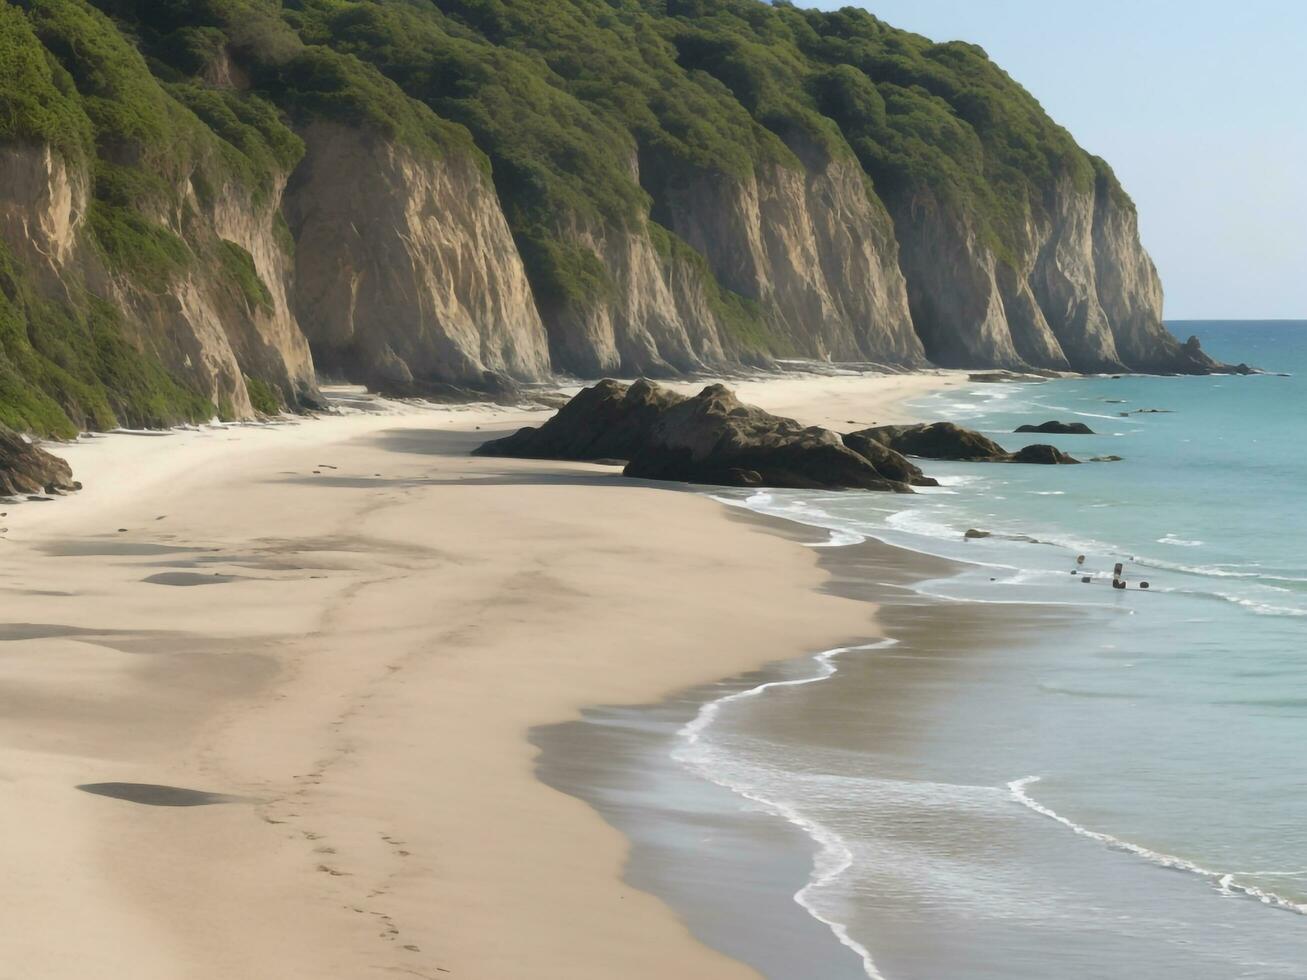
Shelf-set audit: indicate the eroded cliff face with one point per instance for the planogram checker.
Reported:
(1079, 293)
(808, 253)
(406, 274)
(200, 325)
(809, 245)
(42, 205)
(639, 324)
(1131, 292)
(204, 326)
(265, 336)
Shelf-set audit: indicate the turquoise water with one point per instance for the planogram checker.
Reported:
(1117, 784)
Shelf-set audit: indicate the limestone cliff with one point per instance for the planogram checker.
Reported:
(1077, 293)
(789, 261)
(652, 315)
(406, 275)
(200, 325)
(809, 245)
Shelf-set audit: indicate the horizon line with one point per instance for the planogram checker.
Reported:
(1239, 319)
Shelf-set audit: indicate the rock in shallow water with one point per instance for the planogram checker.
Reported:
(889, 463)
(1041, 454)
(1058, 428)
(26, 469)
(936, 440)
(947, 440)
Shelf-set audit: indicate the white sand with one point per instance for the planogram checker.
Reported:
(366, 678)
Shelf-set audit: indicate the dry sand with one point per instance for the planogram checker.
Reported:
(345, 628)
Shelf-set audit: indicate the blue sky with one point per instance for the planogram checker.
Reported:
(1201, 108)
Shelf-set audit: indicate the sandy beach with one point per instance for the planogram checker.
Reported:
(321, 647)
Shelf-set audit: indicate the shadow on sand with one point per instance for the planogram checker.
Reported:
(153, 794)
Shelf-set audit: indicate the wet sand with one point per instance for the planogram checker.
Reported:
(731, 867)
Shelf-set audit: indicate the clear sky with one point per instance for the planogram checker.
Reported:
(1200, 107)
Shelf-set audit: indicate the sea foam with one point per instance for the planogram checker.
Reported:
(834, 857)
(1223, 881)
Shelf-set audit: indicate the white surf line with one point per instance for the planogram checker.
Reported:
(839, 538)
(835, 856)
(1224, 880)
(842, 537)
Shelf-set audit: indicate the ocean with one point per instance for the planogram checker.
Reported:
(1030, 776)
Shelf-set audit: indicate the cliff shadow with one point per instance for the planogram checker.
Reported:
(435, 442)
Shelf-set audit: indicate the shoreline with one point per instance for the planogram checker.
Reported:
(755, 905)
(763, 918)
(383, 663)
(933, 792)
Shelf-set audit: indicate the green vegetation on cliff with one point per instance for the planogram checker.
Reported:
(569, 97)
(264, 397)
(66, 367)
(41, 102)
(587, 114)
(239, 265)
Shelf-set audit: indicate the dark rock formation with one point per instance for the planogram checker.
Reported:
(889, 463)
(935, 440)
(972, 533)
(608, 421)
(1040, 454)
(709, 438)
(1058, 428)
(713, 438)
(28, 470)
(947, 440)
(1104, 459)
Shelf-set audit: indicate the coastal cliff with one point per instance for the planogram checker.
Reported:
(203, 207)
(405, 271)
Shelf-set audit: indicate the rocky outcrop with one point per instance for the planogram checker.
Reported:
(1042, 454)
(607, 421)
(262, 331)
(406, 275)
(1058, 428)
(28, 469)
(947, 440)
(890, 464)
(935, 440)
(710, 438)
(713, 438)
